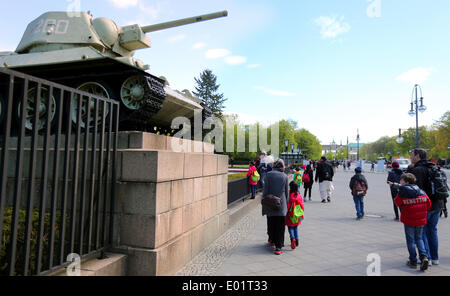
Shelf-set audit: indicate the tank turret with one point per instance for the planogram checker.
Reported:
(96, 55)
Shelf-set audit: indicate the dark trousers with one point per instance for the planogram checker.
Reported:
(276, 227)
(395, 208)
(308, 188)
(253, 190)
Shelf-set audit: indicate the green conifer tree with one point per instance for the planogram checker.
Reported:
(206, 90)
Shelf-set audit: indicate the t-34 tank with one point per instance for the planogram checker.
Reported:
(95, 55)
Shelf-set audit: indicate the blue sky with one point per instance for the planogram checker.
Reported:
(332, 65)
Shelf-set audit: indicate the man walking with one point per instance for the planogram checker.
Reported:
(324, 175)
(421, 171)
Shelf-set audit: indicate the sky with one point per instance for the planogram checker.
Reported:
(334, 66)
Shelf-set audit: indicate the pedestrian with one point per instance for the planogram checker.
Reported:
(422, 174)
(372, 167)
(253, 178)
(444, 210)
(414, 204)
(277, 184)
(324, 175)
(349, 164)
(344, 164)
(358, 186)
(308, 180)
(394, 177)
(262, 168)
(297, 178)
(295, 215)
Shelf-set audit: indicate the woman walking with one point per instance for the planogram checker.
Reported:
(277, 184)
(394, 177)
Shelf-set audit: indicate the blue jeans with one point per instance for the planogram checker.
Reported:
(253, 188)
(359, 205)
(414, 238)
(430, 237)
(293, 232)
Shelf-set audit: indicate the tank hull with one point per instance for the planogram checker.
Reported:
(111, 73)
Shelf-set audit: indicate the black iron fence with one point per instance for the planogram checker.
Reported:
(239, 190)
(57, 169)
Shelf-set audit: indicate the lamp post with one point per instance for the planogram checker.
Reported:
(400, 138)
(357, 141)
(292, 148)
(286, 144)
(421, 108)
(347, 147)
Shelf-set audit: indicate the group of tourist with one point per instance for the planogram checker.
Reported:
(415, 201)
(289, 210)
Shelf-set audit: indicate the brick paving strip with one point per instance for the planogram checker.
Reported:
(207, 262)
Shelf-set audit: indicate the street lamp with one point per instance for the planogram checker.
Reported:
(286, 144)
(422, 108)
(400, 138)
(292, 148)
(357, 140)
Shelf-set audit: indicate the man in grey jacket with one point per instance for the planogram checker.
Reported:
(277, 183)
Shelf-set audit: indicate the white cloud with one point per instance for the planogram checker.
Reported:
(415, 76)
(235, 60)
(275, 92)
(147, 10)
(124, 3)
(217, 53)
(198, 45)
(249, 119)
(177, 38)
(253, 66)
(331, 27)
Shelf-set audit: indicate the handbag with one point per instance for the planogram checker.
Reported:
(271, 202)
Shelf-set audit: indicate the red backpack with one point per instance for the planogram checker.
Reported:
(306, 178)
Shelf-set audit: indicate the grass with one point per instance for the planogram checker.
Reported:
(236, 176)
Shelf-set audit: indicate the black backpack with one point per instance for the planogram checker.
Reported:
(327, 171)
(438, 181)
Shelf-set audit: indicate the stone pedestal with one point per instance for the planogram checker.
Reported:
(170, 204)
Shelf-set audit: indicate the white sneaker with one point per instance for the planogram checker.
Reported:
(434, 262)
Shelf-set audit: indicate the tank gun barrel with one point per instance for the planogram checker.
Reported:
(182, 22)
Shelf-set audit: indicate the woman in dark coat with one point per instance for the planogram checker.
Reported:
(277, 183)
(308, 186)
(394, 177)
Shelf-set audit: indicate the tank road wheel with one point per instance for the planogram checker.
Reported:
(95, 89)
(133, 91)
(144, 97)
(43, 109)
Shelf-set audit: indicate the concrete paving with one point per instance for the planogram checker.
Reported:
(332, 241)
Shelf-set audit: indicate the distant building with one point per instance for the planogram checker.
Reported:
(353, 150)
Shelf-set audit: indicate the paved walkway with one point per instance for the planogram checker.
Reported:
(332, 242)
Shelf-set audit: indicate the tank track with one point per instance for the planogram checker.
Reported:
(153, 102)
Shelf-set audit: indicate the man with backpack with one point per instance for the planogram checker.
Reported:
(433, 181)
(359, 186)
(324, 175)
